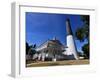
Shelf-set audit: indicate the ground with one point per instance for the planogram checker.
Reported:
(57, 63)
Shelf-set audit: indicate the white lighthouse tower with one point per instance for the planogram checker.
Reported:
(71, 48)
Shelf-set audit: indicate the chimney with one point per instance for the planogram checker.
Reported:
(68, 27)
(71, 50)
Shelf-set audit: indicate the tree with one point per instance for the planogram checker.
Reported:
(82, 33)
(32, 50)
(85, 49)
(80, 53)
(27, 48)
(85, 19)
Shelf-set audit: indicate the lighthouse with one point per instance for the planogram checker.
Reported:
(71, 47)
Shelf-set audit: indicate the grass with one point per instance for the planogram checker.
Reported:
(57, 63)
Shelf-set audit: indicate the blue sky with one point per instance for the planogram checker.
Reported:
(43, 26)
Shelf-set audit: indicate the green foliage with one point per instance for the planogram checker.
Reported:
(80, 54)
(85, 19)
(27, 48)
(85, 49)
(82, 33)
(30, 49)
